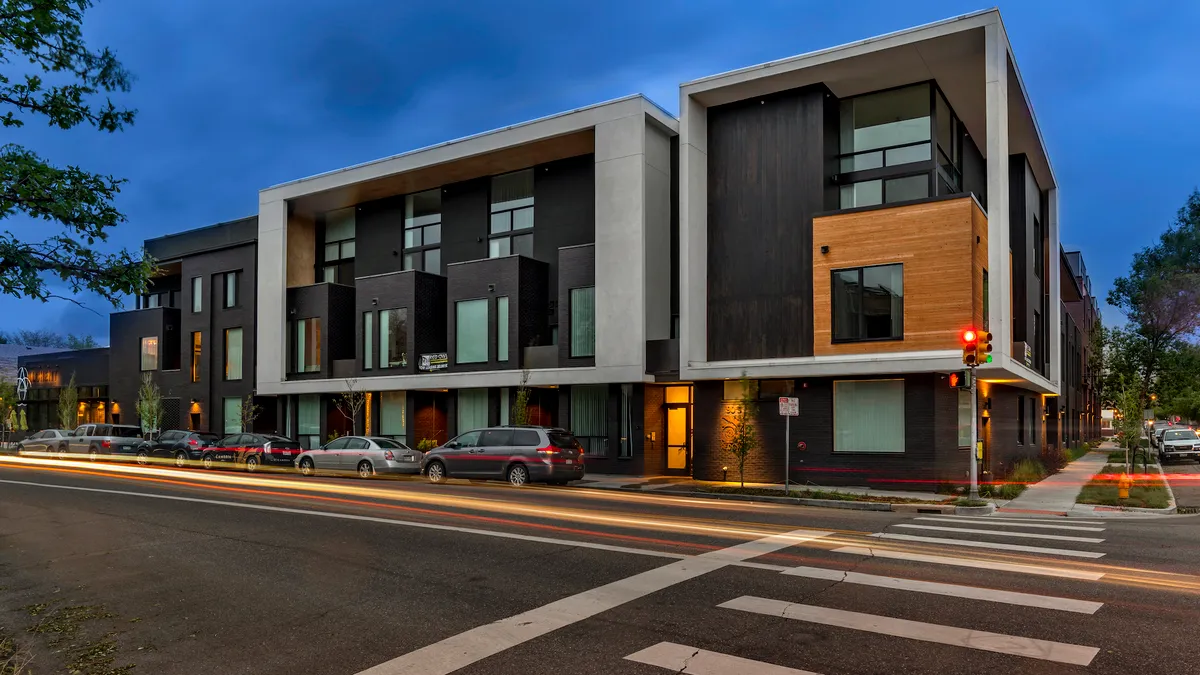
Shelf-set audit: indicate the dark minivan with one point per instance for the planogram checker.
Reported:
(252, 451)
(519, 455)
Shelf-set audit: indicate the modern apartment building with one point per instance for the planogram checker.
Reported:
(1075, 416)
(824, 225)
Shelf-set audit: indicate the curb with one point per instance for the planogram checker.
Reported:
(975, 510)
(795, 501)
(1172, 506)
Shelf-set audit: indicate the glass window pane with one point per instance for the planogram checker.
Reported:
(471, 331)
(422, 207)
(883, 301)
(945, 125)
(501, 222)
(498, 248)
(868, 416)
(233, 354)
(909, 187)
(339, 224)
(391, 414)
(844, 300)
(885, 118)
(412, 261)
(412, 238)
(523, 245)
(308, 345)
(589, 417)
(368, 324)
(626, 449)
(502, 329)
(150, 353)
(309, 415)
(331, 252)
(433, 260)
(348, 249)
(397, 338)
(865, 193)
(433, 234)
(385, 338)
(472, 409)
(329, 274)
(196, 355)
(862, 162)
(583, 321)
(197, 294)
(512, 190)
(232, 410)
(505, 405)
(522, 219)
(908, 154)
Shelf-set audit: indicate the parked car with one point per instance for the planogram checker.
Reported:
(1178, 444)
(47, 440)
(1156, 439)
(367, 455)
(179, 446)
(97, 440)
(251, 451)
(1155, 429)
(520, 455)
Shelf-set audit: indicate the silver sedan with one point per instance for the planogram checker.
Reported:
(365, 455)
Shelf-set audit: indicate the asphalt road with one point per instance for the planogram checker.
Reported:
(220, 572)
(1184, 477)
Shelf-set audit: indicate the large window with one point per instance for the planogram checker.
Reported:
(583, 321)
(1021, 420)
(510, 231)
(868, 303)
(149, 353)
(964, 418)
(471, 331)
(197, 294)
(368, 340)
(589, 417)
(472, 409)
(232, 410)
(308, 345)
(338, 252)
(308, 421)
(393, 338)
(391, 414)
(233, 353)
(196, 357)
(502, 328)
(423, 231)
(233, 285)
(868, 416)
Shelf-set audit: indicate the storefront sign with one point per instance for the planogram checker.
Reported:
(430, 362)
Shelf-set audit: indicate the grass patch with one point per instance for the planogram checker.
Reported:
(1146, 492)
(1080, 450)
(814, 494)
(970, 502)
(65, 631)
(1023, 473)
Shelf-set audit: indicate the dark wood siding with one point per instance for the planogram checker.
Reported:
(767, 175)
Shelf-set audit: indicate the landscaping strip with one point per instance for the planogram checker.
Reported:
(1147, 491)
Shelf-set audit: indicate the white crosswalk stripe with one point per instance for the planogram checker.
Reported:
(1036, 526)
(1074, 521)
(692, 661)
(1046, 650)
(1063, 572)
(1002, 533)
(989, 544)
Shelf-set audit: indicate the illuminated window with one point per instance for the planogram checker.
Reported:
(308, 345)
(196, 357)
(149, 353)
(233, 353)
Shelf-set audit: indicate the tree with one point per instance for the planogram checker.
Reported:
(248, 412)
(149, 406)
(47, 338)
(350, 403)
(519, 414)
(740, 436)
(68, 405)
(1127, 421)
(60, 80)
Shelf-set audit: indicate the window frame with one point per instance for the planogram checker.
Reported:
(421, 250)
(861, 314)
(486, 331)
(197, 295)
(236, 275)
(241, 354)
(197, 349)
(511, 233)
(143, 354)
(387, 353)
(903, 418)
(302, 326)
(571, 319)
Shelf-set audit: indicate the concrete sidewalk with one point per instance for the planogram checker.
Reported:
(1056, 495)
(668, 484)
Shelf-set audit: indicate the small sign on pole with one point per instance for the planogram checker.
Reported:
(789, 407)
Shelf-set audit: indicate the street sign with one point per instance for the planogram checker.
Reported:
(789, 406)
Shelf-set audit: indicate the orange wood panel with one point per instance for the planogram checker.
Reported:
(301, 251)
(935, 241)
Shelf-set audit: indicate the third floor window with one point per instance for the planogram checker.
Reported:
(338, 251)
(423, 231)
(510, 229)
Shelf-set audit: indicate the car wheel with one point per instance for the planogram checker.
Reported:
(62, 451)
(94, 454)
(518, 475)
(365, 470)
(181, 460)
(436, 472)
(306, 467)
(252, 463)
(143, 457)
(206, 461)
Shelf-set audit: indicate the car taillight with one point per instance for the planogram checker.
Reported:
(548, 450)
(193, 442)
(387, 454)
(106, 444)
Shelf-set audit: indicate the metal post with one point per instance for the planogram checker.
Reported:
(787, 454)
(974, 439)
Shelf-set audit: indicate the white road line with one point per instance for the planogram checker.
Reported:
(479, 643)
(1036, 520)
(951, 590)
(1045, 650)
(972, 562)
(1001, 533)
(686, 660)
(987, 544)
(1037, 526)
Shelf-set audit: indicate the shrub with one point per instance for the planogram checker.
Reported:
(427, 444)
(1024, 472)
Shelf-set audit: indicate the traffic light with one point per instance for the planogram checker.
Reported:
(960, 379)
(970, 341)
(983, 350)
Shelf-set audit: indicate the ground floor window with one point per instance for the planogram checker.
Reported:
(589, 417)
(626, 421)
(308, 421)
(472, 409)
(868, 416)
(391, 414)
(233, 414)
(964, 418)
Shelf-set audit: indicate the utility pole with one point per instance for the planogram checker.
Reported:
(977, 348)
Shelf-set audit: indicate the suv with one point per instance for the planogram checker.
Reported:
(251, 451)
(1180, 442)
(519, 455)
(179, 446)
(104, 439)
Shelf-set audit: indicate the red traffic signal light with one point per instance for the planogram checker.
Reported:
(970, 339)
(969, 336)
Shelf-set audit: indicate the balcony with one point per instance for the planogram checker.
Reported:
(407, 313)
(320, 329)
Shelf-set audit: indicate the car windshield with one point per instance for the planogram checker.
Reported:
(1180, 435)
(126, 432)
(388, 443)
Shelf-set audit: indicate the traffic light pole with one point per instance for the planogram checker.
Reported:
(974, 494)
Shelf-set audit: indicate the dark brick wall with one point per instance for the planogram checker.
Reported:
(653, 455)
(577, 268)
(523, 281)
(564, 210)
(1002, 448)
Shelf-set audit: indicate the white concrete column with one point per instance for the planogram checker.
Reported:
(693, 234)
(272, 295)
(1055, 309)
(999, 262)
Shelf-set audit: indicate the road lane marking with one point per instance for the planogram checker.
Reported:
(1045, 650)
(988, 544)
(951, 590)
(686, 660)
(1039, 526)
(1034, 520)
(1001, 533)
(972, 562)
(464, 649)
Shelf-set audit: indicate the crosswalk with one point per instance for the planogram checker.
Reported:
(943, 542)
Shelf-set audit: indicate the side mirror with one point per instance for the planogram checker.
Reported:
(453, 445)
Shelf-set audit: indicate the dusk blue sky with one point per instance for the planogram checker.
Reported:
(237, 95)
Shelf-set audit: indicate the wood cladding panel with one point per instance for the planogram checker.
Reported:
(767, 168)
(301, 251)
(979, 226)
(936, 243)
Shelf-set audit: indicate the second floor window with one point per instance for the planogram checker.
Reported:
(510, 229)
(423, 231)
(583, 321)
(338, 252)
(393, 338)
(368, 340)
(867, 303)
(150, 353)
(233, 353)
(197, 294)
(233, 288)
(471, 331)
(195, 357)
(308, 345)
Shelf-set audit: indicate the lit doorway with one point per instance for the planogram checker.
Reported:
(679, 430)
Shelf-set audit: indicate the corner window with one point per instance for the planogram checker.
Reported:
(867, 303)
(197, 295)
(510, 229)
(471, 331)
(196, 357)
(502, 328)
(583, 321)
(233, 286)
(339, 245)
(890, 191)
(149, 353)
(868, 416)
(423, 231)
(308, 345)
(886, 128)
(393, 338)
(368, 325)
(233, 353)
